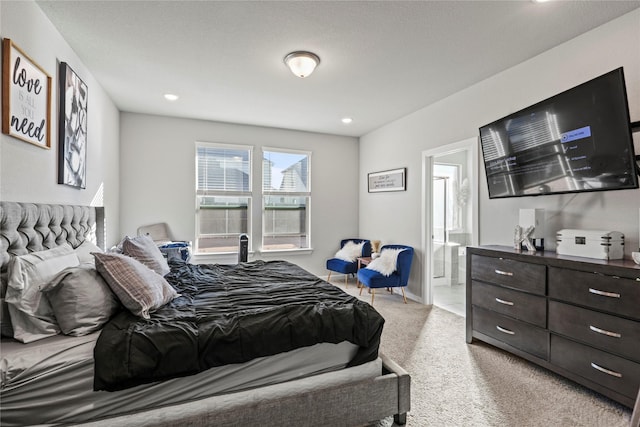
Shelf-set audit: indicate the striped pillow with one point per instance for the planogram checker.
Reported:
(140, 289)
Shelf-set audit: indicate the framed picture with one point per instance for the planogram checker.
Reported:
(391, 180)
(72, 129)
(26, 97)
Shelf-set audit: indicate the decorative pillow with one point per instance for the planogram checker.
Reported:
(84, 252)
(385, 264)
(81, 300)
(140, 289)
(350, 251)
(31, 313)
(145, 250)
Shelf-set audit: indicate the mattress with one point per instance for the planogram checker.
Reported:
(51, 381)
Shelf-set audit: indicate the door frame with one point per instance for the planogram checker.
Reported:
(470, 145)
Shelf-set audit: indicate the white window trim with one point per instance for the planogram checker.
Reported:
(249, 194)
(281, 193)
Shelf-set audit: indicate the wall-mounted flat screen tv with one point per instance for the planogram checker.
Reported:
(578, 140)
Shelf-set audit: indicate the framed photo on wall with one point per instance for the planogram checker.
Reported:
(26, 97)
(391, 180)
(72, 129)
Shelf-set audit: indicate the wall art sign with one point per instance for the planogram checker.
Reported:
(391, 180)
(72, 129)
(26, 97)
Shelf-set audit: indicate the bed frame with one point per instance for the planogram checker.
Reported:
(28, 227)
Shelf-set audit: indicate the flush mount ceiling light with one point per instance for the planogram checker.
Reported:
(302, 63)
(347, 120)
(171, 97)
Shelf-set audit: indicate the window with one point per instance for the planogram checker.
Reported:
(223, 192)
(286, 198)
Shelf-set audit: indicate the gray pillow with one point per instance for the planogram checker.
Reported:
(31, 314)
(81, 300)
(145, 250)
(140, 289)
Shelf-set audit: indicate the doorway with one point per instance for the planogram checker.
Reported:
(450, 221)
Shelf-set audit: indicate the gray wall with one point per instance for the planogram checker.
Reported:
(396, 217)
(157, 163)
(29, 173)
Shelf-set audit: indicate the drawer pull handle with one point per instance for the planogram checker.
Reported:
(606, 371)
(604, 294)
(504, 273)
(605, 332)
(504, 330)
(501, 301)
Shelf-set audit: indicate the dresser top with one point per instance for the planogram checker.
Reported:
(625, 267)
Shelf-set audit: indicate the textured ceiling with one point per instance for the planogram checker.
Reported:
(379, 60)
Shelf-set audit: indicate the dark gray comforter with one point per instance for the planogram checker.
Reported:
(231, 314)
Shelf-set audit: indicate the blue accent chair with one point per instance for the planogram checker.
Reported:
(345, 267)
(399, 278)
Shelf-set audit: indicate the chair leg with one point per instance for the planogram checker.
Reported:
(373, 295)
(361, 288)
(329, 276)
(403, 295)
(346, 277)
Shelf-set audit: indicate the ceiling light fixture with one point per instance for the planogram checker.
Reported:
(170, 97)
(302, 63)
(347, 120)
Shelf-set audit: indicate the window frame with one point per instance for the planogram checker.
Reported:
(222, 193)
(305, 194)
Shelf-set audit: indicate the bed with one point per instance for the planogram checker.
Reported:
(313, 377)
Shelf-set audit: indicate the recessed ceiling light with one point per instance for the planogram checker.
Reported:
(347, 120)
(170, 97)
(540, 1)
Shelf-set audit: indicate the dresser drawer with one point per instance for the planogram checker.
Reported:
(516, 304)
(611, 333)
(508, 272)
(616, 295)
(518, 334)
(613, 372)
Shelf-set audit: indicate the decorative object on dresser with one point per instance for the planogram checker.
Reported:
(522, 239)
(574, 316)
(598, 244)
(26, 97)
(72, 129)
(533, 218)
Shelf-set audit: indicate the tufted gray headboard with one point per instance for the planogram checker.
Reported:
(31, 227)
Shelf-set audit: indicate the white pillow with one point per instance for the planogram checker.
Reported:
(385, 264)
(31, 314)
(84, 252)
(350, 251)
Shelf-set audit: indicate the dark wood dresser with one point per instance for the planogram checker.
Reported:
(578, 317)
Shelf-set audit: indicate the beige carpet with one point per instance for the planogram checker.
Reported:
(457, 384)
